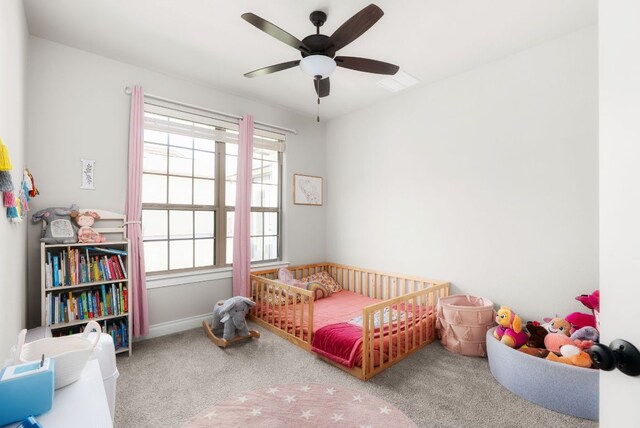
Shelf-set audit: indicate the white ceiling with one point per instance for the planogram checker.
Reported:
(206, 40)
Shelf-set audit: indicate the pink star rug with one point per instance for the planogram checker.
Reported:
(302, 405)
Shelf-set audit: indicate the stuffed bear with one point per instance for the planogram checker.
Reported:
(57, 227)
(86, 234)
(536, 335)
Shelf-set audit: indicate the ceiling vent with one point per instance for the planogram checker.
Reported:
(398, 81)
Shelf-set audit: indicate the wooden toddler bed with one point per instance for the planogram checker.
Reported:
(397, 313)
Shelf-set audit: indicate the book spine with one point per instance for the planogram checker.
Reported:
(124, 270)
(56, 280)
(121, 296)
(126, 299)
(94, 300)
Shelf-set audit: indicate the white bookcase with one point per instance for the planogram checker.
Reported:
(91, 283)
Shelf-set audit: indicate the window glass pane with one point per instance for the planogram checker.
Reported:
(154, 158)
(180, 140)
(256, 172)
(179, 190)
(204, 164)
(181, 254)
(230, 224)
(231, 149)
(256, 224)
(154, 224)
(269, 155)
(180, 161)
(270, 247)
(154, 189)
(270, 199)
(256, 249)
(204, 192)
(204, 144)
(230, 194)
(180, 224)
(155, 256)
(270, 223)
(270, 172)
(204, 252)
(231, 167)
(256, 195)
(156, 137)
(204, 224)
(229, 251)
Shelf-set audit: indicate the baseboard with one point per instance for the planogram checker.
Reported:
(175, 326)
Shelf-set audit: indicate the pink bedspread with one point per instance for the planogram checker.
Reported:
(340, 307)
(338, 342)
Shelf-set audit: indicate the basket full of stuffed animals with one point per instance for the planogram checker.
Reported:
(463, 322)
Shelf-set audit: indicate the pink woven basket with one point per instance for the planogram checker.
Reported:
(463, 321)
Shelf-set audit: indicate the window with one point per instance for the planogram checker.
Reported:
(188, 191)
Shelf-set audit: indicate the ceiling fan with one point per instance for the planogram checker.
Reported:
(318, 50)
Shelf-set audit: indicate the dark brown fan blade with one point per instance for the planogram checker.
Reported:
(355, 26)
(274, 31)
(322, 87)
(272, 68)
(365, 64)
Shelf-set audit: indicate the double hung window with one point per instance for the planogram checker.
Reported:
(188, 191)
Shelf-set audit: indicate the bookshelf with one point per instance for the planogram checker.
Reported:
(83, 282)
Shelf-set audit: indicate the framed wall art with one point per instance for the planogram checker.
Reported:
(307, 190)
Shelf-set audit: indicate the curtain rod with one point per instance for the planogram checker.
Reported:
(127, 91)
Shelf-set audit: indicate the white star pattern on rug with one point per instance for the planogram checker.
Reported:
(301, 405)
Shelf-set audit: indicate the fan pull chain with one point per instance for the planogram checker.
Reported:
(318, 116)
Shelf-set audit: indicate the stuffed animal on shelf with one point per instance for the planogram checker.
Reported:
(509, 330)
(557, 325)
(86, 234)
(586, 333)
(57, 227)
(536, 335)
(229, 317)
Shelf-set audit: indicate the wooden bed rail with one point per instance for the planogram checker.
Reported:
(402, 323)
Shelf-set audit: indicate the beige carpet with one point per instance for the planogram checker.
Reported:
(169, 380)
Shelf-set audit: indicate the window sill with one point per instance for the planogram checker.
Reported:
(183, 278)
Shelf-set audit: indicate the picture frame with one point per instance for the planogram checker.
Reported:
(307, 190)
(88, 171)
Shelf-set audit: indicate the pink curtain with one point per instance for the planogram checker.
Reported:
(133, 211)
(241, 232)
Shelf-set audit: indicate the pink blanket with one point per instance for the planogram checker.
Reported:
(338, 342)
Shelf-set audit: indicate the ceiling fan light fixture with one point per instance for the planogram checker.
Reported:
(317, 65)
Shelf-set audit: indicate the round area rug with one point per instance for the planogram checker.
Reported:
(302, 405)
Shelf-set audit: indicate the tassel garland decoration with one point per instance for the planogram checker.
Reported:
(5, 162)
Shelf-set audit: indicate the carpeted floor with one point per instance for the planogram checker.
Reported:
(169, 380)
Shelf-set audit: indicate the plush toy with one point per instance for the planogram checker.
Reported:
(536, 335)
(509, 330)
(586, 333)
(571, 355)
(557, 325)
(86, 234)
(592, 301)
(57, 227)
(579, 320)
(554, 341)
(229, 317)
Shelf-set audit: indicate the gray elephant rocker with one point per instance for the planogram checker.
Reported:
(229, 321)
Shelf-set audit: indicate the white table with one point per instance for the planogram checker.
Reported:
(81, 404)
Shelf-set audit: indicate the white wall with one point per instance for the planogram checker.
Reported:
(619, 200)
(13, 60)
(78, 109)
(487, 179)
